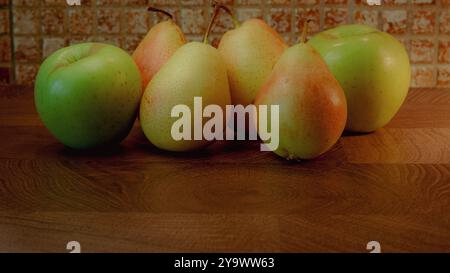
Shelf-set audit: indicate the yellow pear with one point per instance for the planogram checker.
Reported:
(250, 51)
(157, 47)
(312, 105)
(195, 70)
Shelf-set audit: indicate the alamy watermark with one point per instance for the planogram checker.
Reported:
(78, 2)
(74, 247)
(374, 247)
(374, 2)
(73, 2)
(214, 129)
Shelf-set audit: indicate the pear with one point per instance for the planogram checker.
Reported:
(312, 105)
(195, 70)
(250, 51)
(157, 47)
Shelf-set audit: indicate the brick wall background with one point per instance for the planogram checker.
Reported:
(30, 30)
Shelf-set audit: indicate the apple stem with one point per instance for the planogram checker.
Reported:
(153, 9)
(227, 10)
(305, 31)
(211, 23)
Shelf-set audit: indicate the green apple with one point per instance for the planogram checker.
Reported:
(88, 94)
(373, 69)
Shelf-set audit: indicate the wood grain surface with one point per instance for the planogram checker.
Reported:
(392, 186)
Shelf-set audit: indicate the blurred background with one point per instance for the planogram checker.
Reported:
(30, 30)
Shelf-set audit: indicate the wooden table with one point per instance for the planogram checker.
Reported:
(392, 186)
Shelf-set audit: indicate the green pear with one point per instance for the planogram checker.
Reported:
(312, 105)
(250, 51)
(195, 70)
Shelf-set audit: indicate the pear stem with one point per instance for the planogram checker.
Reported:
(228, 11)
(211, 23)
(153, 9)
(305, 31)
